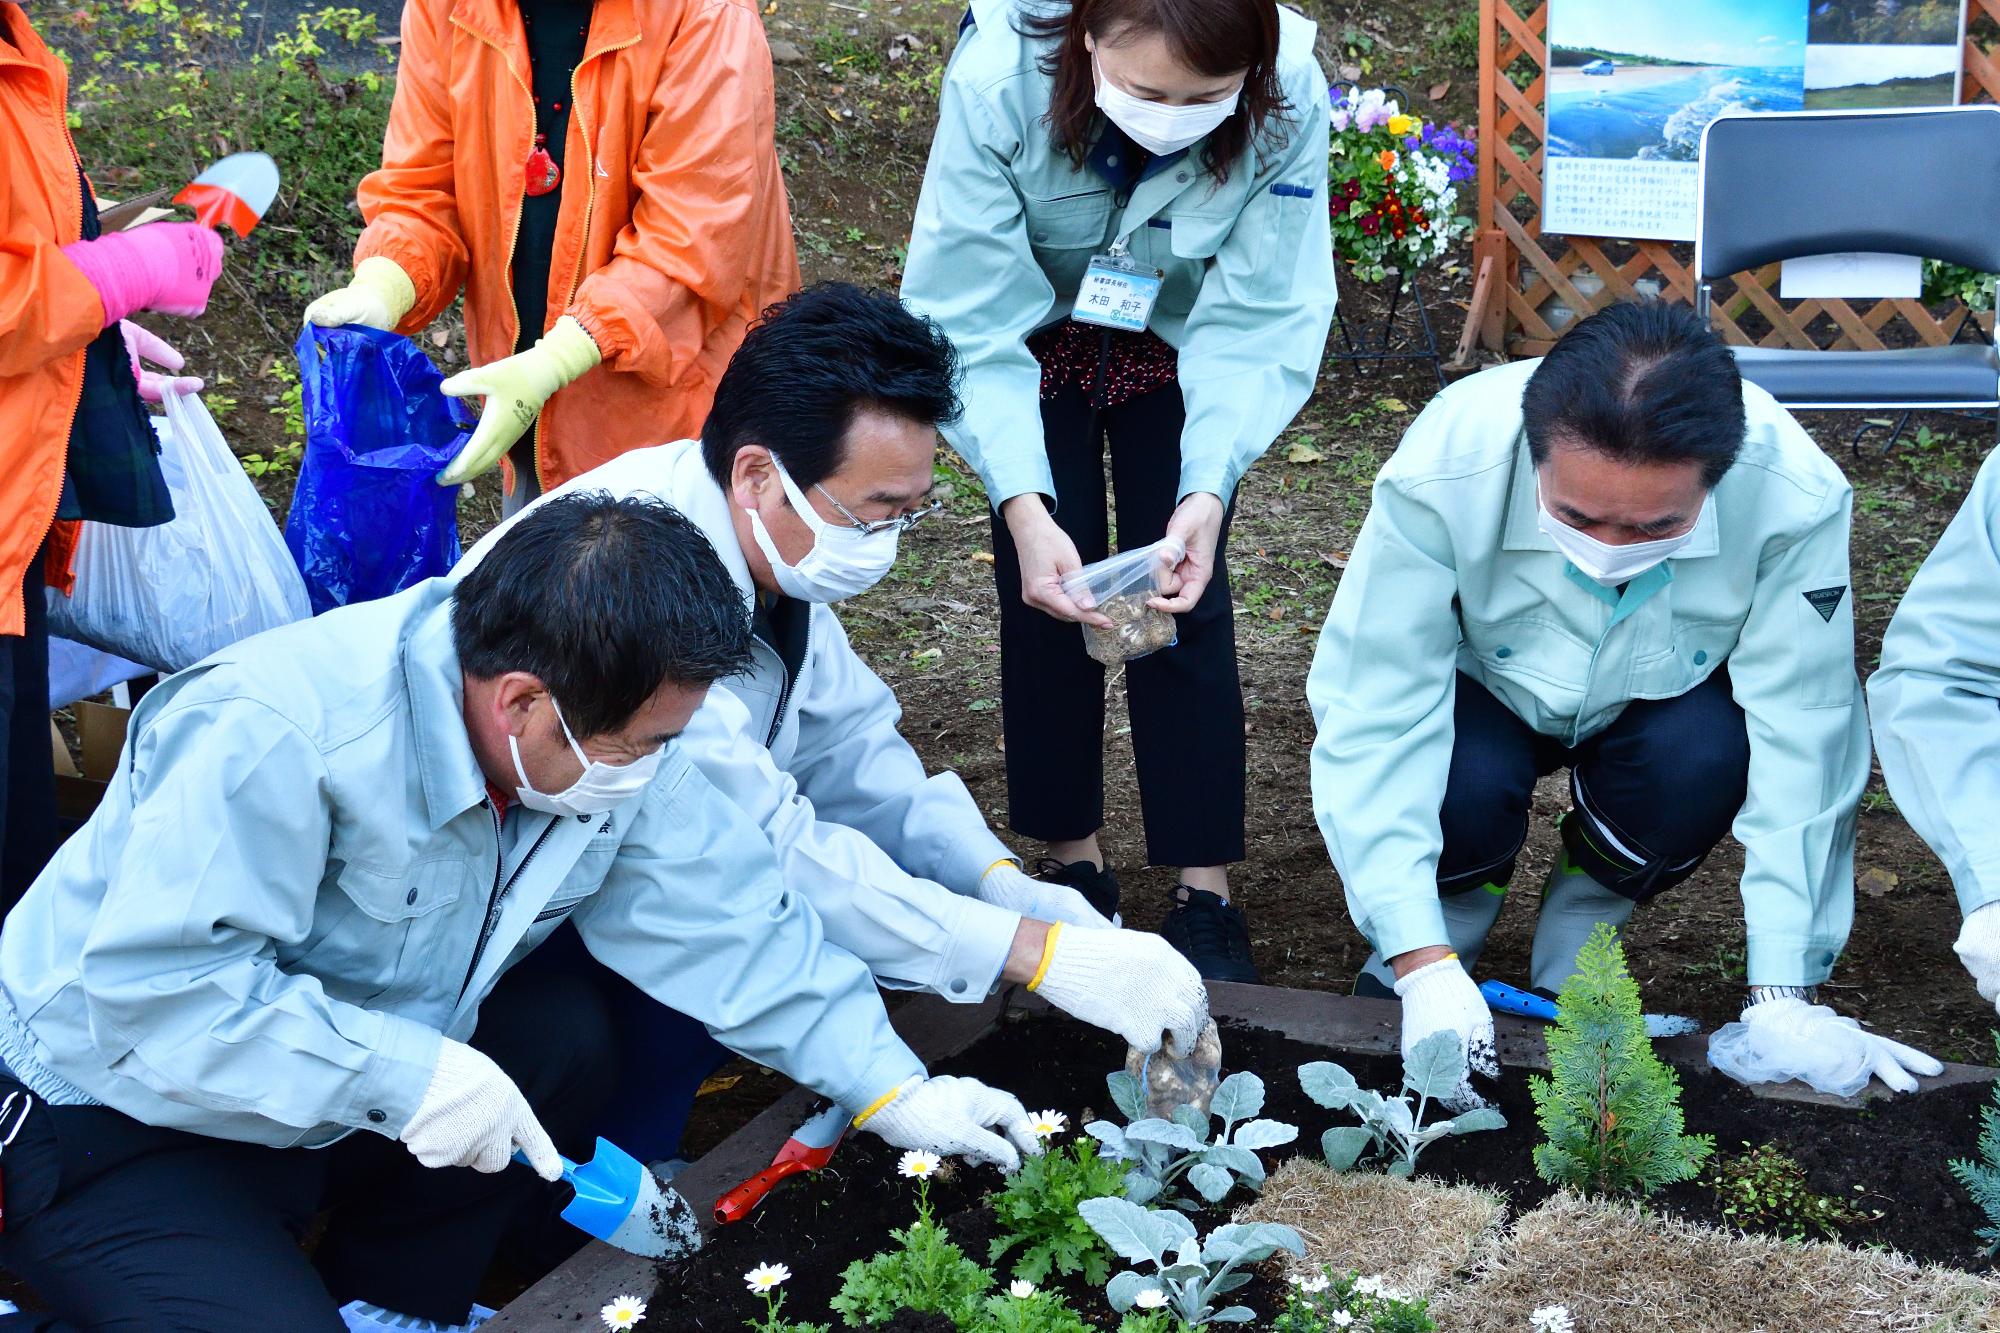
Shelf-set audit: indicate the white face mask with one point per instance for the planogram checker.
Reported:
(1610, 565)
(601, 787)
(1156, 127)
(843, 562)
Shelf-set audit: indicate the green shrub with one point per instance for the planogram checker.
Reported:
(924, 1272)
(1981, 1176)
(1038, 1210)
(1612, 1109)
(1763, 1188)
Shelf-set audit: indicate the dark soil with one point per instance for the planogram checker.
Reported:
(1895, 1151)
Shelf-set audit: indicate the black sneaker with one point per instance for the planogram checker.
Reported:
(1211, 934)
(1098, 887)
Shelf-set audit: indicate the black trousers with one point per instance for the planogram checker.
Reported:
(118, 1225)
(27, 767)
(1186, 701)
(1652, 794)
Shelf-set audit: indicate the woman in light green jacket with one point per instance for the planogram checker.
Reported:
(1123, 227)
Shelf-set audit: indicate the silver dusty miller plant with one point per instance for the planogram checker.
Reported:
(1188, 1274)
(1392, 1128)
(1164, 1152)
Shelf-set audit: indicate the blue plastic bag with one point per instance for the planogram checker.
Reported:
(368, 518)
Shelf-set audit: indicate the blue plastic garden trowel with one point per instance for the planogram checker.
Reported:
(623, 1204)
(1507, 999)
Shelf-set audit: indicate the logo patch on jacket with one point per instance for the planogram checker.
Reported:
(1826, 601)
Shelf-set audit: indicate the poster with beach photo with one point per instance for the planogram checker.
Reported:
(1870, 54)
(1632, 85)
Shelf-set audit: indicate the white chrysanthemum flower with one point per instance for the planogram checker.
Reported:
(1020, 1289)
(1552, 1319)
(1315, 1284)
(625, 1312)
(1149, 1298)
(1369, 1286)
(766, 1276)
(1048, 1124)
(1340, 1318)
(918, 1164)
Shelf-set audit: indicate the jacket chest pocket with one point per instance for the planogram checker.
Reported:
(1064, 232)
(1694, 649)
(385, 927)
(1530, 648)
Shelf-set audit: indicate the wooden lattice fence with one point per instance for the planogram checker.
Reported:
(1521, 273)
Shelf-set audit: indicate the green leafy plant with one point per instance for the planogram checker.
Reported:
(1763, 1188)
(1329, 1303)
(1392, 1129)
(1037, 1210)
(764, 1280)
(1026, 1310)
(1611, 1109)
(1146, 1321)
(1188, 1275)
(1981, 1175)
(1956, 282)
(925, 1271)
(1163, 1152)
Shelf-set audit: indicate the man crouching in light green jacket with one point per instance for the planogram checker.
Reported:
(294, 916)
(1622, 561)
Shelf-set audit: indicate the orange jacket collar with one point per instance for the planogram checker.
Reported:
(613, 23)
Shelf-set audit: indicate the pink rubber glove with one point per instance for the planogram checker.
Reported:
(147, 345)
(163, 266)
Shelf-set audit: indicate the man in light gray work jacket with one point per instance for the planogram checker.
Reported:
(817, 456)
(1623, 561)
(1936, 706)
(294, 915)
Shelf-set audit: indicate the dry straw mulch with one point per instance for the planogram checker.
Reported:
(1617, 1268)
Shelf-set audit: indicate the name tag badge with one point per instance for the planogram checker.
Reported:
(1118, 293)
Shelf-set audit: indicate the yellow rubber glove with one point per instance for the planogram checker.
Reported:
(515, 388)
(379, 296)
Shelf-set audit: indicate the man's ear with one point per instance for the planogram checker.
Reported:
(514, 696)
(750, 473)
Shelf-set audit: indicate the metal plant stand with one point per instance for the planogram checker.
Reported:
(1375, 342)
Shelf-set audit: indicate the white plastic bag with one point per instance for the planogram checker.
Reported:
(1119, 588)
(170, 595)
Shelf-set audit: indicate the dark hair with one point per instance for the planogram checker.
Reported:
(1215, 37)
(603, 600)
(1643, 382)
(815, 359)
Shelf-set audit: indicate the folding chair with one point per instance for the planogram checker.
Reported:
(1786, 185)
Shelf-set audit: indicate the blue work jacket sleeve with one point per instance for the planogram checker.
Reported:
(1936, 699)
(1792, 672)
(692, 911)
(912, 933)
(971, 269)
(1251, 352)
(1382, 689)
(183, 989)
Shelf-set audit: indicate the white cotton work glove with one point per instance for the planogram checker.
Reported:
(1125, 981)
(1978, 947)
(1440, 997)
(379, 295)
(1788, 1038)
(473, 1115)
(953, 1117)
(1008, 887)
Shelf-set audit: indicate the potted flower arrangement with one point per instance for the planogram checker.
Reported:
(1393, 182)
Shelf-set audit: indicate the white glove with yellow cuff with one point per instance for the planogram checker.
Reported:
(515, 387)
(1124, 981)
(379, 296)
(952, 1117)
(1006, 886)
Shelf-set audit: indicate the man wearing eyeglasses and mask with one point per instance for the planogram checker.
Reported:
(817, 456)
(1622, 561)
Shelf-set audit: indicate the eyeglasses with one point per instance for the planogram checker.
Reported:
(867, 528)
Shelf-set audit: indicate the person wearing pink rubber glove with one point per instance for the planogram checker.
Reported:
(145, 346)
(78, 442)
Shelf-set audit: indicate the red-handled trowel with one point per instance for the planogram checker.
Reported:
(234, 193)
(808, 1149)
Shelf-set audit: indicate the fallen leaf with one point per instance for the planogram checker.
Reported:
(1302, 452)
(1438, 90)
(718, 1083)
(1392, 405)
(1338, 559)
(1349, 73)
(1876, 882)
(439, 337)
(927, 655)
(982, 557)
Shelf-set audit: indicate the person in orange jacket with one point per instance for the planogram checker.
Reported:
(602, 182)
(77, 441)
